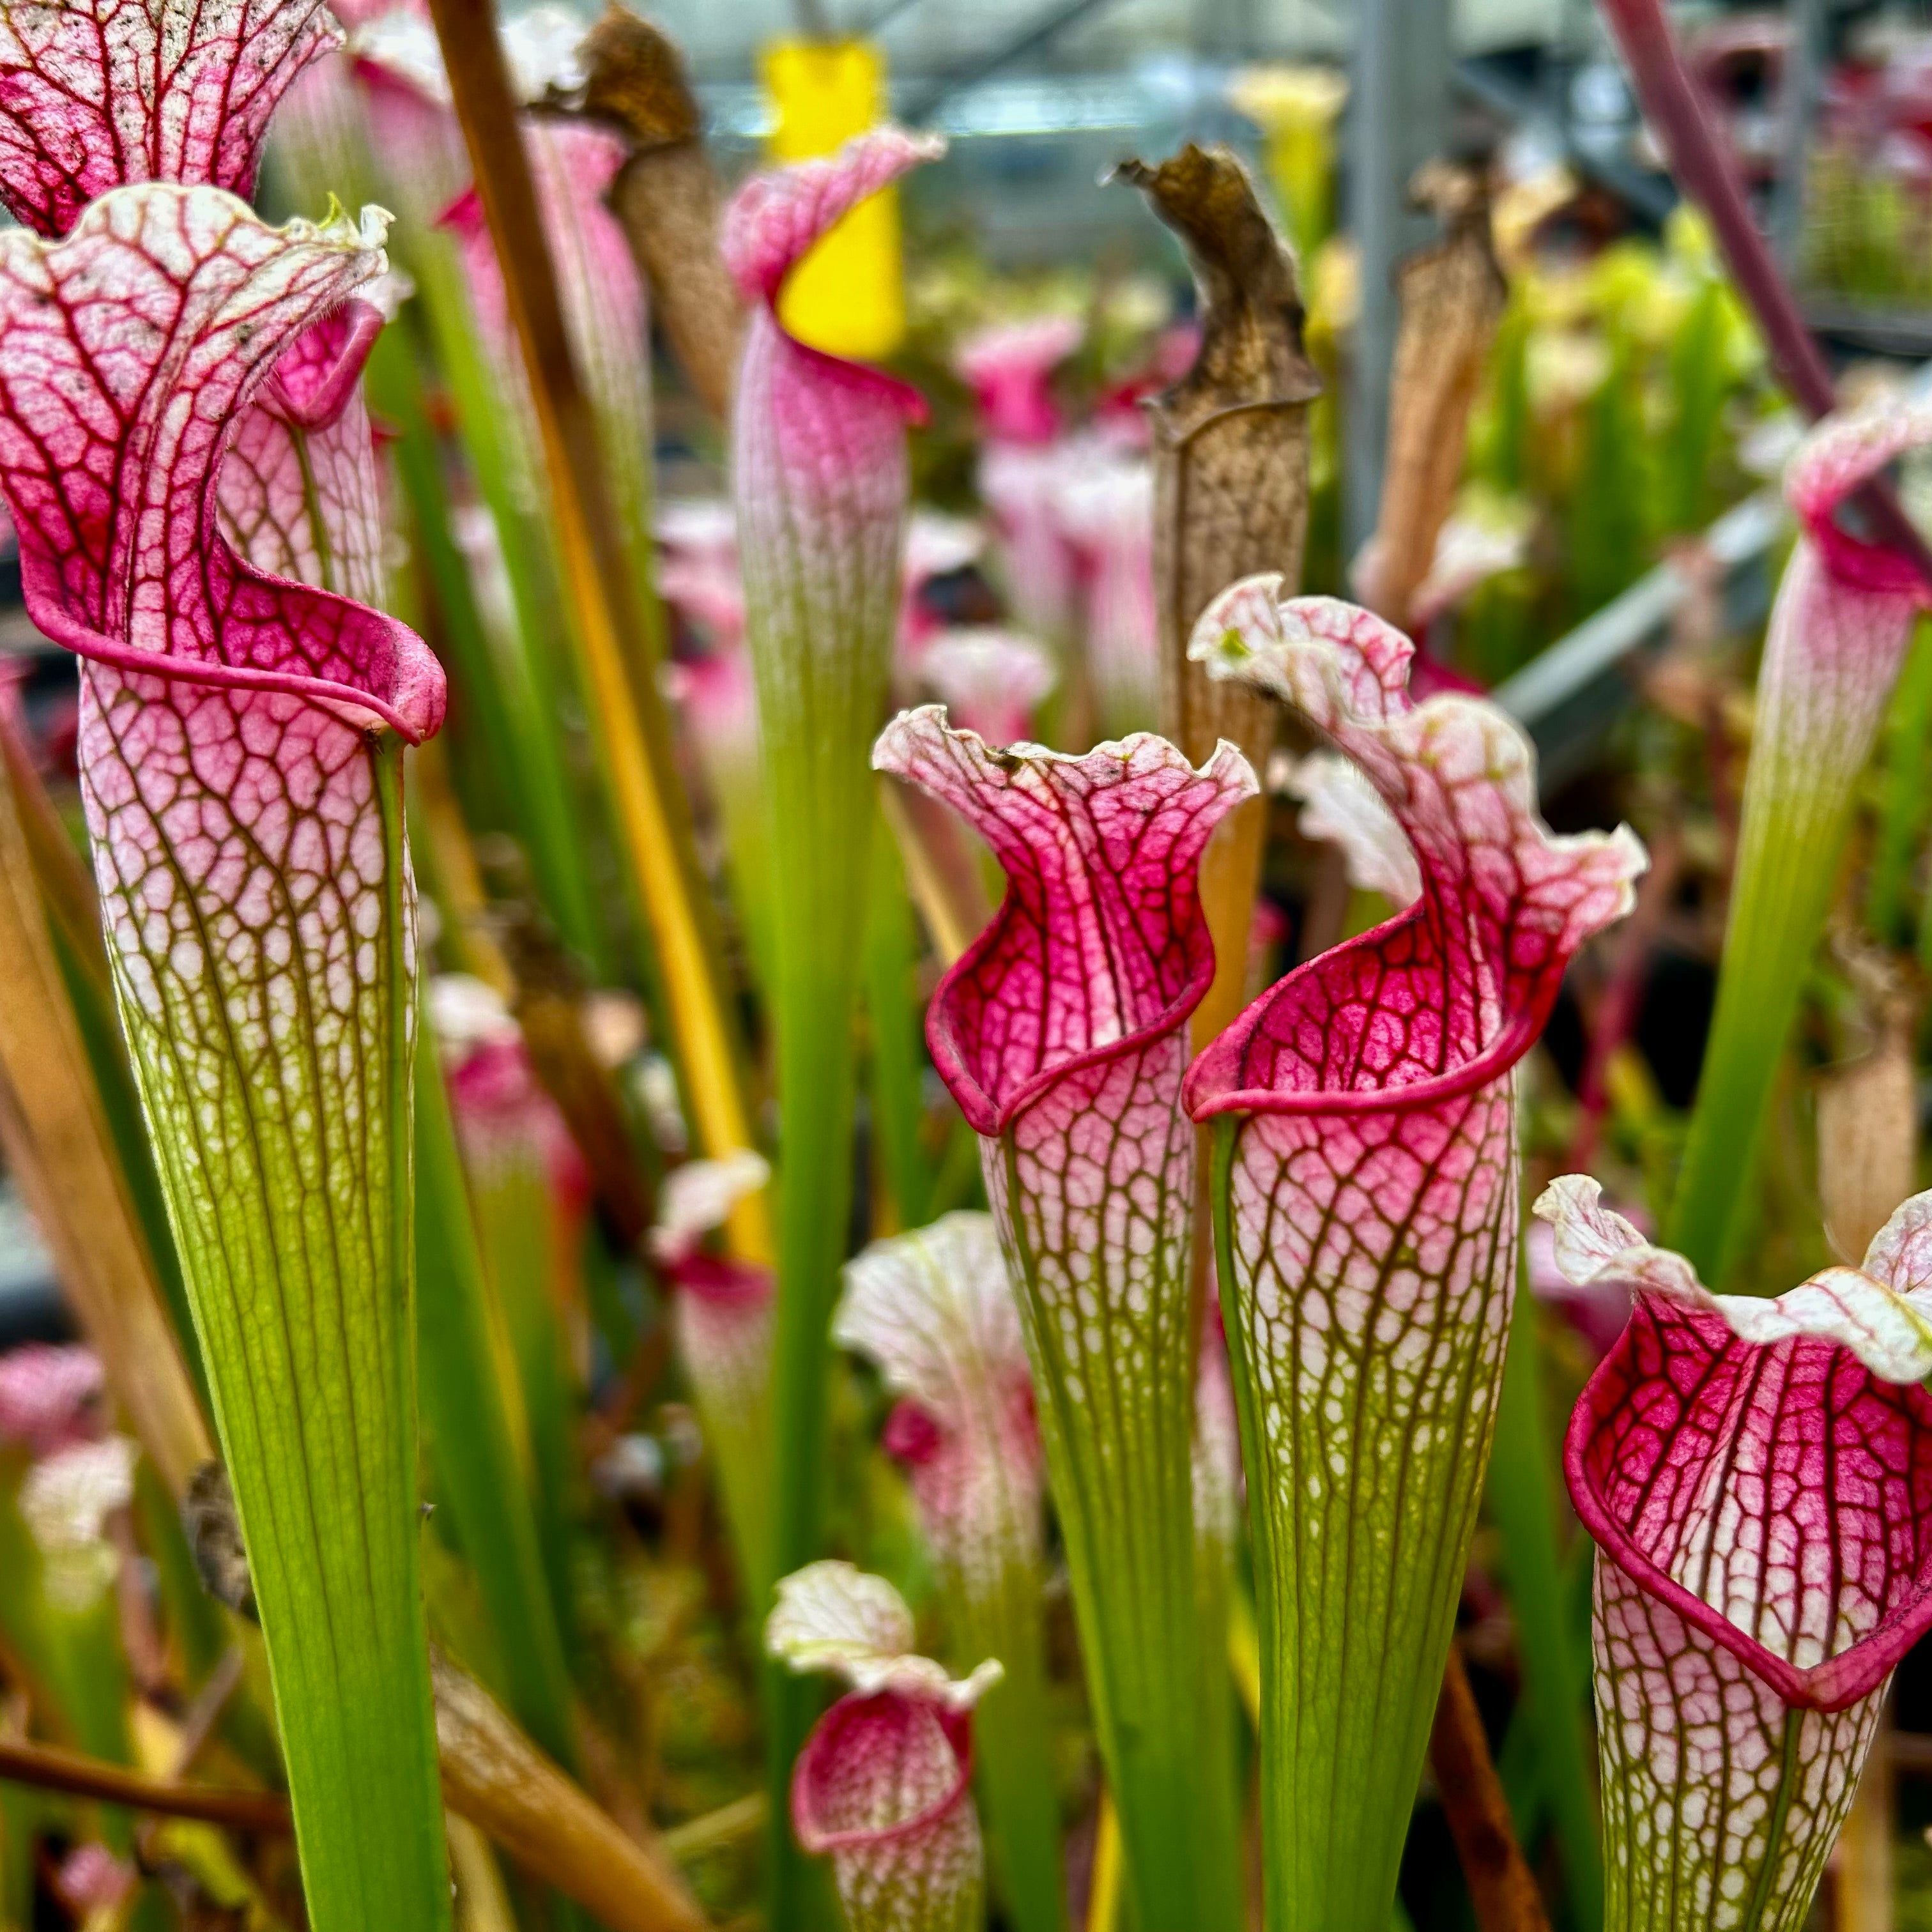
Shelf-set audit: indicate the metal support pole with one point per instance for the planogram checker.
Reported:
(1398, 118)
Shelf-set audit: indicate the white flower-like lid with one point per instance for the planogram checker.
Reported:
(465, 1012)
(66, 1501)
(934, 1309)
(700, 1195)
(1881, 1310)
(542, 48)
(833, 1616)
(67, 1498)
(1340, 807)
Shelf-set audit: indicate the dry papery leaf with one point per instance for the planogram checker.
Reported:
(1452, 297)
(666, 195)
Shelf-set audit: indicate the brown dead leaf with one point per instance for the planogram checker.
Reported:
(666, 195)
(1230, 497)
(1452, 297)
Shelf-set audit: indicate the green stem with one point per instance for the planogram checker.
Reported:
(898, 1065)
(194, 1619)
(302, 1284)
(1902, 813)
(560, 672)
(817, 985)
(958, 1181)
(816, 1086)
(1796, 812)
(817, 712)
(516, 1216)
(471, 1449)
(1520, 1763)
(1607, 514)
(1118, 1457)
(746, 824)
(1012, 1744)
(1555, 1680)
(1219, 1747)
(91, 1681)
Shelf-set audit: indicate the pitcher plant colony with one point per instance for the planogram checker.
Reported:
(587, 1226)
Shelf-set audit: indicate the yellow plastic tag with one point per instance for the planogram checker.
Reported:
(848, 297)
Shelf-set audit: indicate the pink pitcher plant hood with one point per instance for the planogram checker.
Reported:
(717, 702)
(710, 600)
(696, 1198)
(1758, 1477)
(1469, 551)
(882, 1786)
(819, 444)
(1503, 904)
(935, 1310)
(704, 529)
(96, 95)
(1838, 630)
(92, 1879)
(721, 1321)
(936, 544)
(1365, 1215)
(1008, 366)
(698, 576)
(506, 1123)
(573, 165)
(1098, 953)
(165, 294)
(299, 490)
(991, 680)
(1061, 1032)
(1596, 1312)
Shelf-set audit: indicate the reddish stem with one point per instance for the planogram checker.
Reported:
(1702, 164)
(1501, 1886)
